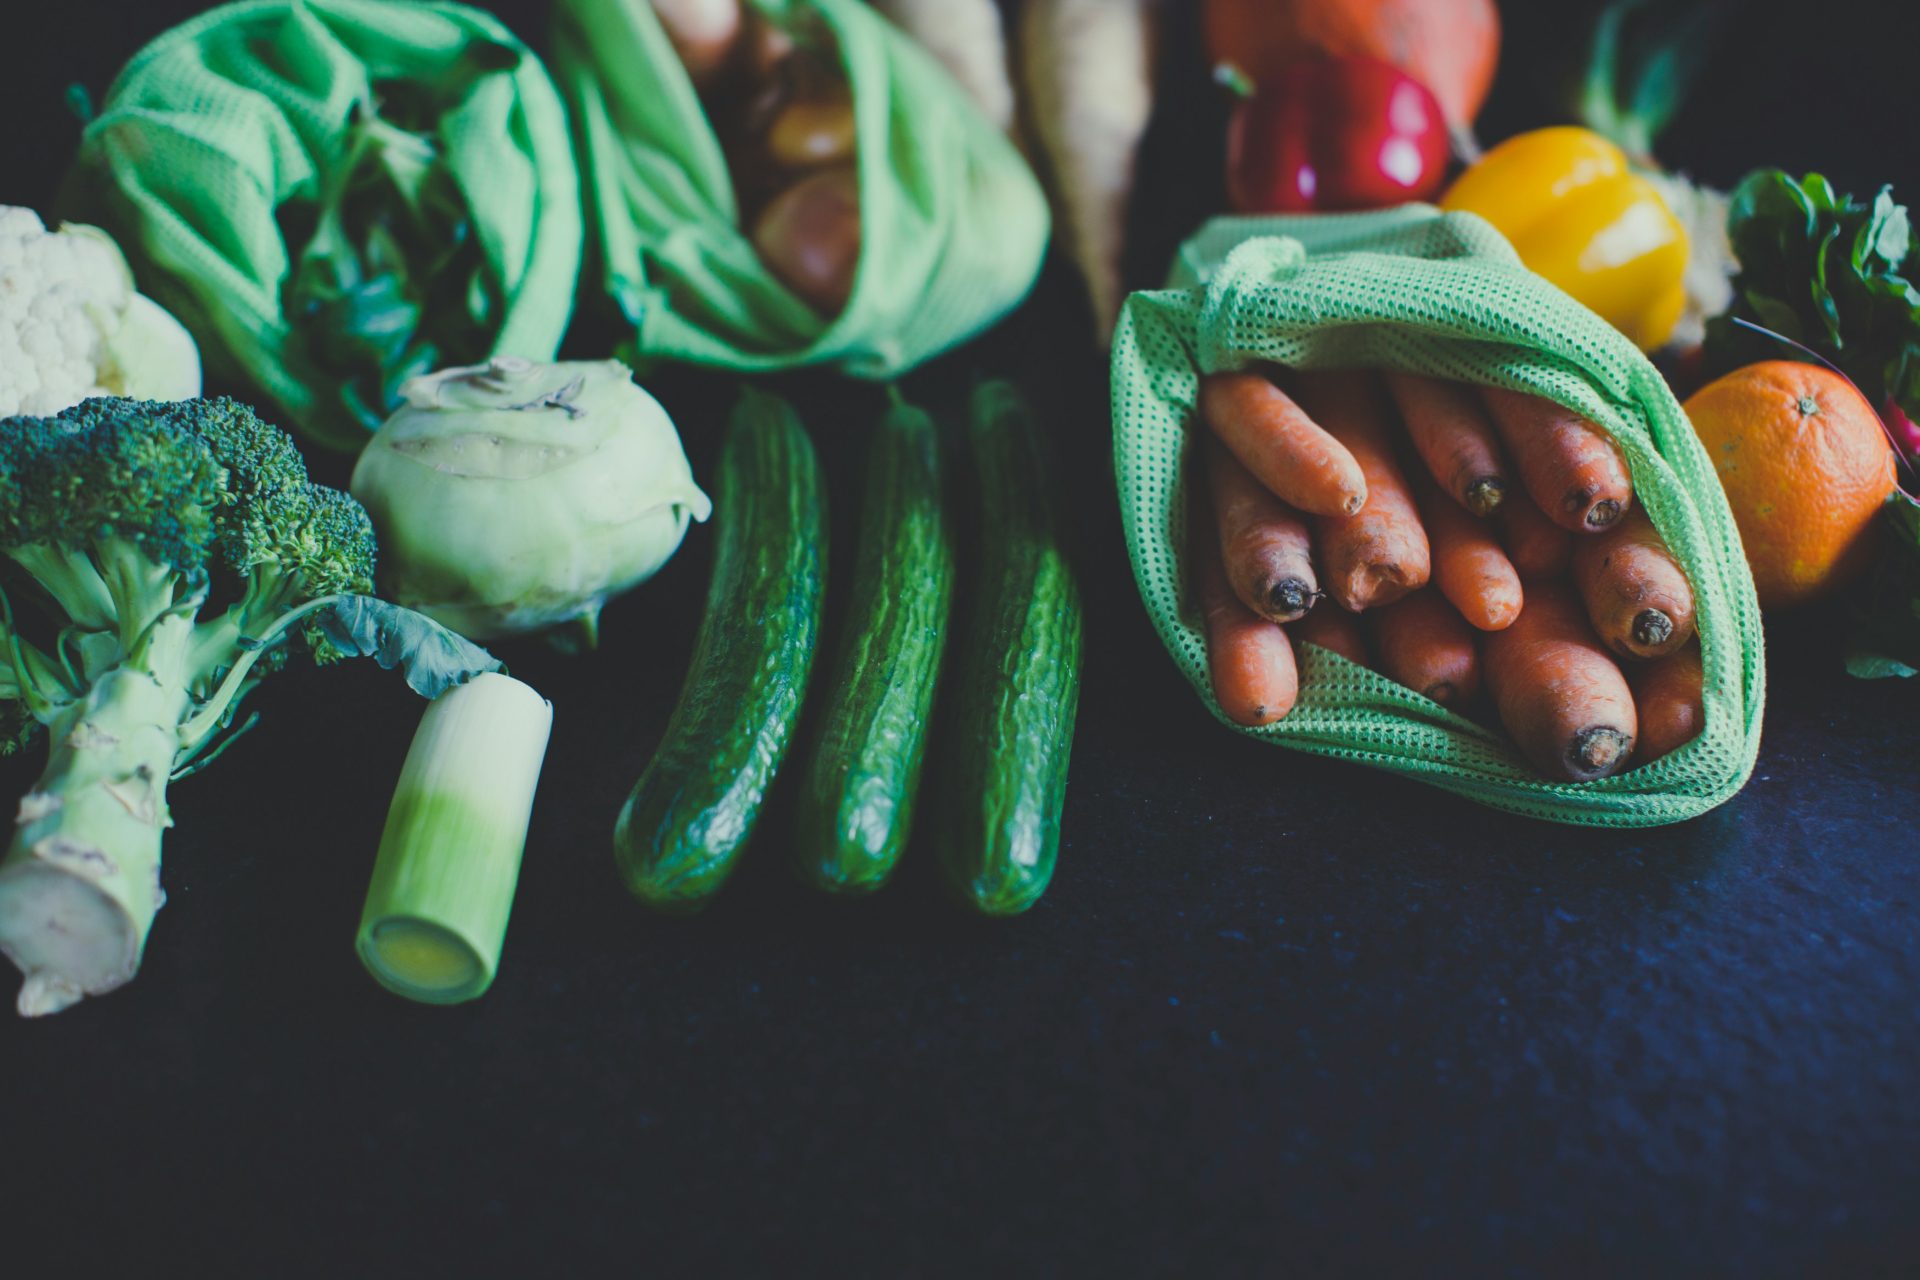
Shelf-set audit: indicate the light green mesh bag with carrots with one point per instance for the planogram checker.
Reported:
(1441, 294)
(953, 224)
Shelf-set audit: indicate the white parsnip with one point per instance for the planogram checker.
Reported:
(967, 38)
(1086, 67)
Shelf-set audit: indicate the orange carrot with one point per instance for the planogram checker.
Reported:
(1636, 594)
(1468, 565)
(1450, 432)
(1249, 659)
(1570, 467)
(1425, 645)
(1286, 450)
(1264, 542)
(1558, 691)
(1667, 698)
(1334, 629)
(1538, 547)
(1380, 554)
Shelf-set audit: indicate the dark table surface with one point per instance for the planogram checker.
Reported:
(1276, 1013)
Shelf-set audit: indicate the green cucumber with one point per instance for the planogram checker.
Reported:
(693, 808)
(857, 803)
(1016, 686)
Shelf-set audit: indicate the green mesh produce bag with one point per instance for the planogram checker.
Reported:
(219, 133)
(1442, 294)
(953, 223)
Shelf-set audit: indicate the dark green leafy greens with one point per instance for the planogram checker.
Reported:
(1828, 270)
(390, 278)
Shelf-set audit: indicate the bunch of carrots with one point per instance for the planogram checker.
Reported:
(1480, 546)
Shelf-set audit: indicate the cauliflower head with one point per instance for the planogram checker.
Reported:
(72, 327)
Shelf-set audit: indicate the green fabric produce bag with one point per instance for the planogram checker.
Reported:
(432, 132)
(1442, 294)
(953, 223)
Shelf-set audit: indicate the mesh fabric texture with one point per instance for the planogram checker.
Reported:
(953, 223)
(1443, 294)
(221, 120)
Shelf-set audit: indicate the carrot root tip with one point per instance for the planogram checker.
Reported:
(1596, 752)
(1440, 692)
(1603, 513)
(1485, 495)
(1292, 597)
(1652, 628)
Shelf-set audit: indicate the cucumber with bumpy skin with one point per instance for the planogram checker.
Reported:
(1008, 724)
(857, 805)
(693, 808)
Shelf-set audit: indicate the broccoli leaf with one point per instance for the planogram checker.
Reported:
(434, 659)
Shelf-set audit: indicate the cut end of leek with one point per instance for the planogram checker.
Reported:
(423, 961)
(442, 888)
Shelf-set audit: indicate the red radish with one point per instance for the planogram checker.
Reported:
(1904, 430)
(809, 236)
(1335, 133)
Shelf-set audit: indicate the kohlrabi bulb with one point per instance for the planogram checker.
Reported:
(512, 496)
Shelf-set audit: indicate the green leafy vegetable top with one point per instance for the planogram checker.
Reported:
(391, 280)
(336, 195)
(1838, 274)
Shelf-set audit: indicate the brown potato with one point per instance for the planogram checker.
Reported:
(809, 236)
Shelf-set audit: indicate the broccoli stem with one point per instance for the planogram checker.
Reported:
(74, 582)
(81, 880)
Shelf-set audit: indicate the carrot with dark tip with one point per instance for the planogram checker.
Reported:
(1426, 645)
(1559, 693)
(1668, 699)
(1636, 593)
(1538, 547)
(1265, 544)
(1469, 567)
(1284, 448)
(1570, 467)
(1249, 659)
(1381, 553)
(1449, 430)
(1335, 630)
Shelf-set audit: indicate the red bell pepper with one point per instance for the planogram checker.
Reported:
(1334, 133)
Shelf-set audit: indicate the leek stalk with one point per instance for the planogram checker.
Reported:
(442, 888)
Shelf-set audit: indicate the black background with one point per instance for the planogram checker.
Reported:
(1276, 1014)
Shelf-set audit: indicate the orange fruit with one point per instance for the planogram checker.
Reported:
(1805, 465)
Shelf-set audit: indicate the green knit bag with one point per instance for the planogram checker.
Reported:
(953, 223)
(1443, 294)
(221, 138)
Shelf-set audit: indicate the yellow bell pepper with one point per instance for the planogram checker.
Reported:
(1577, 213)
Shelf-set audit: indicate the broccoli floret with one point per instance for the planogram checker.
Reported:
(172, 547)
